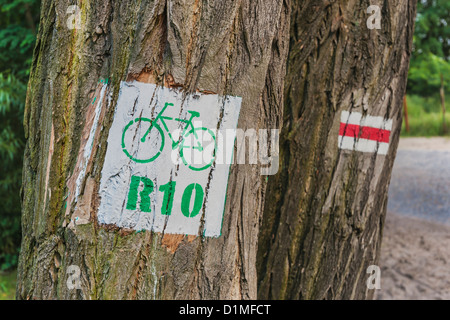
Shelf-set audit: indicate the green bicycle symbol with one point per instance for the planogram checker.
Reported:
(149, 134)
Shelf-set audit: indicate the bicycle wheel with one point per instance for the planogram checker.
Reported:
(142, 151)
(198, 149)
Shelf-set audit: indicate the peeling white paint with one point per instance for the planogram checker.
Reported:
(90, 143)
(141, 100)
(49, 162)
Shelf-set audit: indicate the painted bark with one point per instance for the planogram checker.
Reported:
(234, 48)
(325, 209)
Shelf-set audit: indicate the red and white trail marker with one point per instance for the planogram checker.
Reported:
(364, 133)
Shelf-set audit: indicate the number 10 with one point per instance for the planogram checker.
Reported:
(169, 191)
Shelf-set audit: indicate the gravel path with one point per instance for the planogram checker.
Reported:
(420, 184)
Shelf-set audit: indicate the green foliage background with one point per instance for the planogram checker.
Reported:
(430, 60)
(19, 22)
(431, 52)
(18, 25)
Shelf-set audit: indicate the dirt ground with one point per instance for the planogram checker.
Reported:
(415, 260)
(415, 251)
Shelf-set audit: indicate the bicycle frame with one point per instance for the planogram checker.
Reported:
(162, 119)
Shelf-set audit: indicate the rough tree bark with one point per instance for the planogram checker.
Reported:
(323, 218)
(227, 47)
(325, 210)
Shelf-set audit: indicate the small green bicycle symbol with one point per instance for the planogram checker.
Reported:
(153, 140)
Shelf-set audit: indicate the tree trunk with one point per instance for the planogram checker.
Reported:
(325, 209)
(236, 48)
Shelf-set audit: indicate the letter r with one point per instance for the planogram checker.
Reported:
(144, 194)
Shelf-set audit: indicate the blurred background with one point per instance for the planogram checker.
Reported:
(415, 249)
(19, 20)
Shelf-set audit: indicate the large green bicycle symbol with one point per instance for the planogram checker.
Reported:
(149, 134)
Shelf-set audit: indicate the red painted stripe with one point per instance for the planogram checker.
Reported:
(369, 133)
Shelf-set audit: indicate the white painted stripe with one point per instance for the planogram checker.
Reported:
(90, 142)
(357, 118)
(363, 145)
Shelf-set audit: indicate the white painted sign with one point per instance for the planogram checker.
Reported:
(167, 164)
